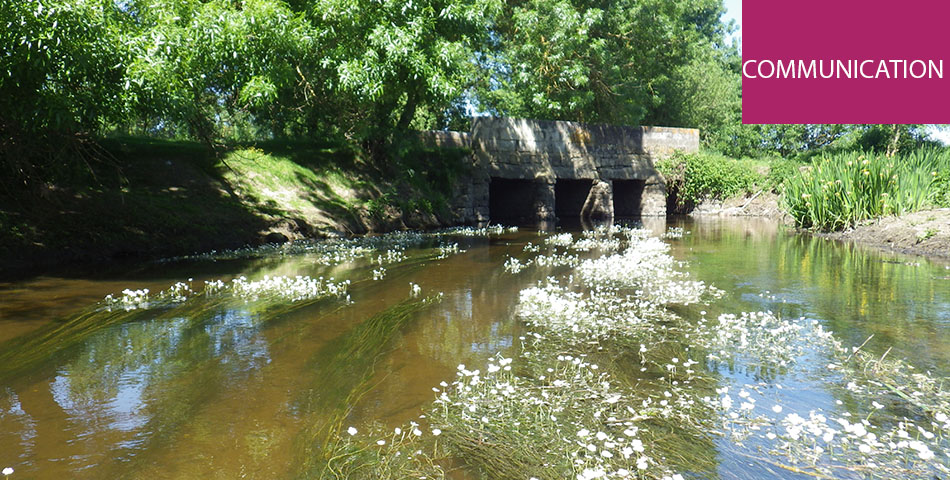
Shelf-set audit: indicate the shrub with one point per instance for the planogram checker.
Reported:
(940, 190)
(780, 170)
(699, 175)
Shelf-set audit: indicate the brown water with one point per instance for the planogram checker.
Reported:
(233, 391)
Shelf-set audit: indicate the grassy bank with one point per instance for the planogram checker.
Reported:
(824, 193)
(695, 177)
(149, 199)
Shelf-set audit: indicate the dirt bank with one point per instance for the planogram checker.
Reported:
(761, 204)
(921, 233)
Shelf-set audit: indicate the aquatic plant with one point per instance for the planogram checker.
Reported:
(396, 454)
(839, 191)
(276, 288)
(674, 233)
(561, 418)
(560, 240)
(321, 449)
(555, 417)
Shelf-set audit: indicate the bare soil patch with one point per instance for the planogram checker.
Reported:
(926, 232)
(761, 204)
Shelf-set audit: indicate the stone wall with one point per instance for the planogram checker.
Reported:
(545, 151)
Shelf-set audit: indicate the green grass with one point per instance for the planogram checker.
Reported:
(154, 198)
(839, 191)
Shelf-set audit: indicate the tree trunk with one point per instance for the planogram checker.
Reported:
(408, 111)
(893, 146)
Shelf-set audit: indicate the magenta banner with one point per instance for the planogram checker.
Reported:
(845, 61)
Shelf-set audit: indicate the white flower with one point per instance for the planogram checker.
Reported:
(925, 453)
(7, 471)
(590, 474)
(351, 431)
(436, 432)
(380, 442)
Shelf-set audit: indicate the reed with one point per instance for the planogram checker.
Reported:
(840, 191)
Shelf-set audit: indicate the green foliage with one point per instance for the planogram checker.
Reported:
(706, 94)
(199, 64)
(362, 71)
(389, 60)
(60, 77)
(695, 176)
(424, 179)
(61, 67)
(780, 171)
(940, 190)
(612, 62)
(838, 191)
(808, 140)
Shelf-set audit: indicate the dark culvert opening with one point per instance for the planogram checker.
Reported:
(569, 197)
(511, 200)
(628, 196)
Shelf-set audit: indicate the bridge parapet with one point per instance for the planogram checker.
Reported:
(549, 152)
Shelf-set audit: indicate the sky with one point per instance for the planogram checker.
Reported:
(734, 12)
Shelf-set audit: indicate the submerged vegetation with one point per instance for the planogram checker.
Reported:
(623, 368)
(611, 382)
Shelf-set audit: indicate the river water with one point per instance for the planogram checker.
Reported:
(225, 389)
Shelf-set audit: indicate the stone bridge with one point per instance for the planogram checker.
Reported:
(534, 170)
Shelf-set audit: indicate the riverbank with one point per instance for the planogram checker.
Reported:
(154, 199)
(926, 232)
(760, 204)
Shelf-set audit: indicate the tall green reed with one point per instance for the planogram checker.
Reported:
(837, 192)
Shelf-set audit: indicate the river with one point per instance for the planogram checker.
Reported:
(233, 386)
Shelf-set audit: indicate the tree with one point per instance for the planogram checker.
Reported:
(60, 79)
(204, 65)
(398, 64)
(611, 62)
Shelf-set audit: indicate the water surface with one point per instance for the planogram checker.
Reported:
(227, 390)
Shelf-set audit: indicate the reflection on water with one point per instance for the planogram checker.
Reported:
(235, 390)
(904, 301)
